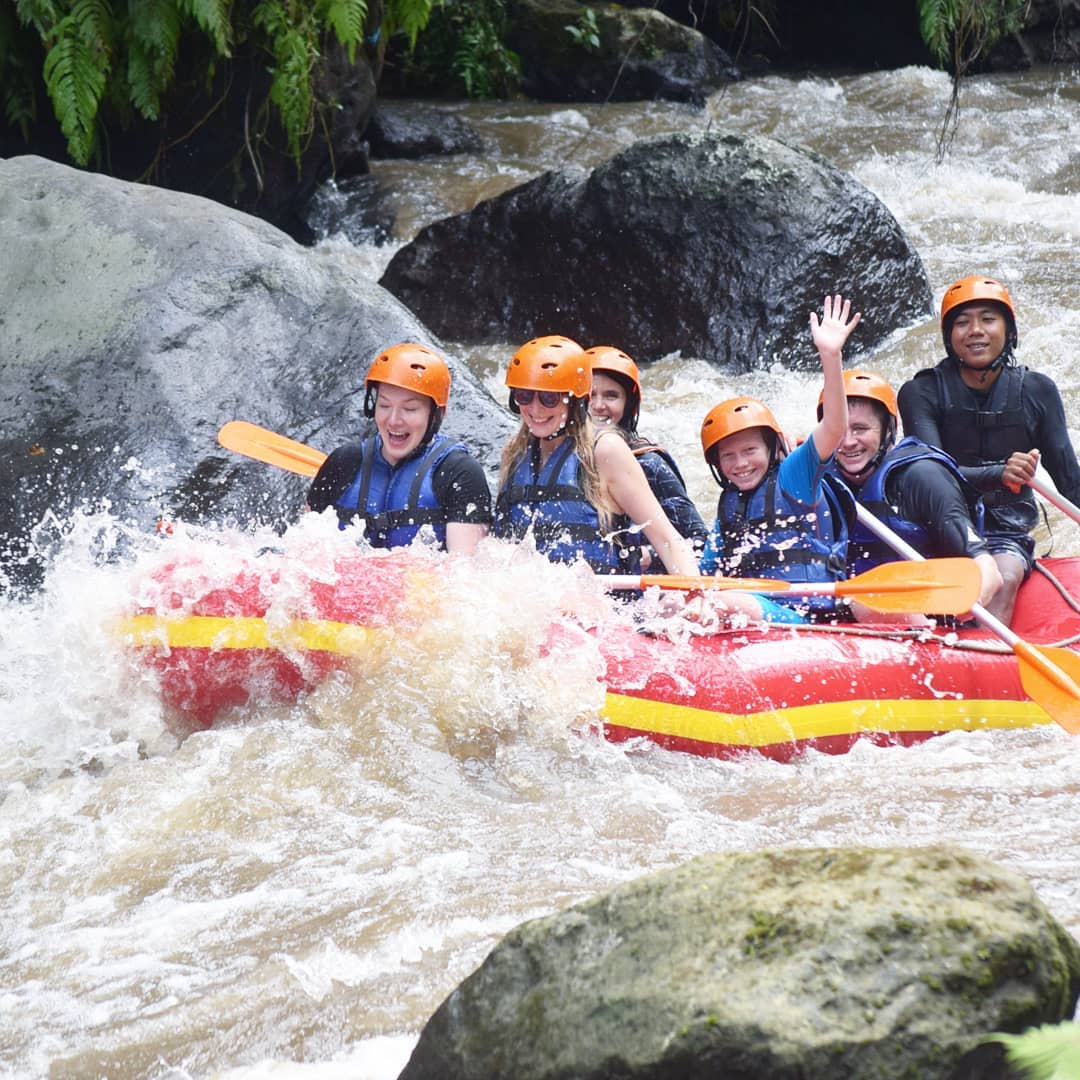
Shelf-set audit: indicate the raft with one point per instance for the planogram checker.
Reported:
(771, 691)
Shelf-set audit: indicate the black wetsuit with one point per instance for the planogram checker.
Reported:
(1021, 411)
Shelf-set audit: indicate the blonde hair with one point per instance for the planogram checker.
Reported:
(583, 435)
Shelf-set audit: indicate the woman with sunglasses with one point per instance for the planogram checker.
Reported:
(407, 477)
(579, 493)
(616, 400)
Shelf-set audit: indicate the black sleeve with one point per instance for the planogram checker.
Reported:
(928, 494)
(334, 476)
(462, 489)
(673, 499)
(1052, 434)
(917, 401)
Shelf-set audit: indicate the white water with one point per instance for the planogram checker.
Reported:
(293, 893)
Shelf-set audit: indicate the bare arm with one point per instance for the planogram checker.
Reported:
(829, 334)
(629, 490)
(461, 538)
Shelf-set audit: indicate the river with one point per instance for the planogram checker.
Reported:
(294, 892)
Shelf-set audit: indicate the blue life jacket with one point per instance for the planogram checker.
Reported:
(550, 501)
(396, 500)
(865, 550)
(767, 534)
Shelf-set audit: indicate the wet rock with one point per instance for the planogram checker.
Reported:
(356, 208)
(776, 964)
(716, 244)
(409, 131)
(574, 52)
(134, 322)
(605, 52)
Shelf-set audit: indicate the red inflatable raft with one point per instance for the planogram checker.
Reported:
(274, 633)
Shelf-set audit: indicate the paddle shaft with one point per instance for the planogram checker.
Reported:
(1069, 509)
(946, 585)
(1026, 652)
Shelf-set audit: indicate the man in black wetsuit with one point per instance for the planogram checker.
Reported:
(914, 489)
(407, 477)
(997, 419)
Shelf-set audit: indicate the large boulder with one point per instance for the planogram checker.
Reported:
(715, 244)
(135, 321)
(822, 963)
(606, 52)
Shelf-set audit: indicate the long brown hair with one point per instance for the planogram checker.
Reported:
(583, 434)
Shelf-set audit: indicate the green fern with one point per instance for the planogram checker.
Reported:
(214, 18)
(408, 17)
(294, 44)
(76, 71)
(109, 59)
(153, 32)
(346, 18)
(958, 32)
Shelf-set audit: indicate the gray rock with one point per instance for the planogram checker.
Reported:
(868, 963)
(135, 321)
(715, 244)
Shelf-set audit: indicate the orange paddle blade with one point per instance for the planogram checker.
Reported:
(257, 442)
(1051, 678)
(941, 586)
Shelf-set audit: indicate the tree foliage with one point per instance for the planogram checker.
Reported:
(106, 61)
(958, 33)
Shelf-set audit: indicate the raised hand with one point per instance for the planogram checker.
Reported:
(832, 330)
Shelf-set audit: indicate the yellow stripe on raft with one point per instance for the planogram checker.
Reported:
(817, 721)
(208, 632)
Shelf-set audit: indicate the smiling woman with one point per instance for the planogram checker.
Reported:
(577, 493)
(408, 477)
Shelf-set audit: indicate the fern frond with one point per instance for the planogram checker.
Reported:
(937, 20)
(346, 18)
(408, 17)
(295, 46)
(214, 18)
(153, 31)
(41, 15)
(75, 74)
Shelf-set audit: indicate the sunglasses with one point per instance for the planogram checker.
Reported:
(548, 398)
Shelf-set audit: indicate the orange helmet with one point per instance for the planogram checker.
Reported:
(412, 367)
(614, 362)
(867, 384)
(550, 363)
(736, 414)
(970, 290)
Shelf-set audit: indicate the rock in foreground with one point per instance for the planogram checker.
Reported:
(776, 964)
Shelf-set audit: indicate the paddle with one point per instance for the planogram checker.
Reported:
(1069, 509)
(948, 586)
(1050, 676)
(257, 442)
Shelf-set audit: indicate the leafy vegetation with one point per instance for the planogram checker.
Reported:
(585, 31)
(108, 61)
(461, 52)
(958, 33)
